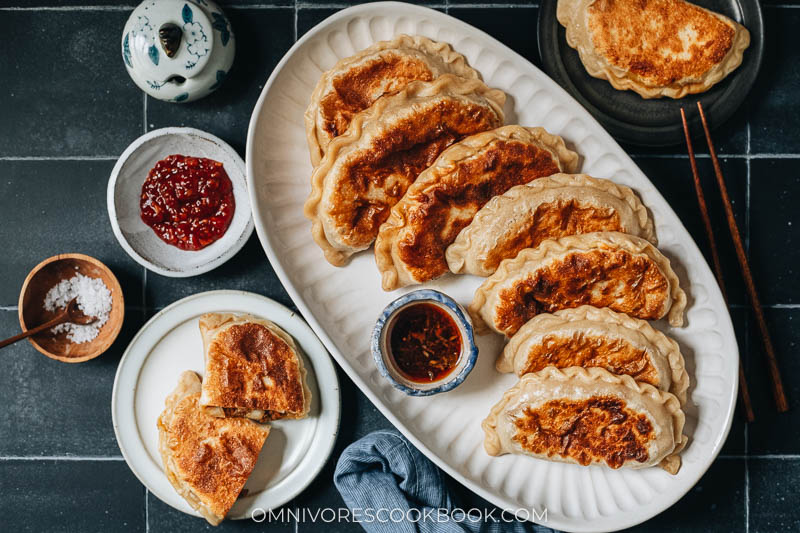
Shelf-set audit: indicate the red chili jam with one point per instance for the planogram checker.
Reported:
(425, 342)
(188, 201)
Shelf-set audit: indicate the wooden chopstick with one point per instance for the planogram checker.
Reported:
(772, 361)
(744, 391)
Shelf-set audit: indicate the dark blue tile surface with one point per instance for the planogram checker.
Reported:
(248, 270)
(66, 496)
(307, 18)
(38, 223)
(514, 27)
(774, 223)
(774, 107)
(715, 504)
(773, 495)
(772, 432)
(53, 408)
(75, 101)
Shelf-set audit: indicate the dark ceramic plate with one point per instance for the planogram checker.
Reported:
(657, 122)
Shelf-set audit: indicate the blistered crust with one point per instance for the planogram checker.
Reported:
(547, 208)
(206, 459)
(369, 168)
(598, 326)
(253, 369)
(568, 265)
(671, 65)
(411, 244)
(661, 409)
(355, 82)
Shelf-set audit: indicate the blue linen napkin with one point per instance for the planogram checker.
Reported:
(390, 487)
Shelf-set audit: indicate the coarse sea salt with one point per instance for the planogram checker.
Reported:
(94, 299)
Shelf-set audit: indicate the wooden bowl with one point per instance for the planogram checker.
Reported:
(32, 312)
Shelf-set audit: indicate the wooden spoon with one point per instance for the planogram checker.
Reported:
(71, 313)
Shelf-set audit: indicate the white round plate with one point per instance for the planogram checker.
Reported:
(342, 304)
(125, 188)
(295, 451)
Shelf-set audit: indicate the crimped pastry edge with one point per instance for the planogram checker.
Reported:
(495, 99)
(455, 61)
(457, 252)
(597, 67)
(182, 389)
(585, 241)
(667, 346)
(671, 463)
(225, 321)
(446, 162)
(189, 383)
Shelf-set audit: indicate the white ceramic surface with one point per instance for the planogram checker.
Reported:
(295, 451)
(201, 61)
(125, 188)
(342, 304)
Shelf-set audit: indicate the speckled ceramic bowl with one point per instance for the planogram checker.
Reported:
(125, 189)
(383, 357)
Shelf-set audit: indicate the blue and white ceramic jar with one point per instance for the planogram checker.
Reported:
(178, 50)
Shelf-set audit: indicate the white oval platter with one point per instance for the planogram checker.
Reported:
(342, 304)
(295, 451)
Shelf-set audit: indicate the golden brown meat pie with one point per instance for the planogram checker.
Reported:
(253, 369)
(653, 47)
(547, 208)
(604, 269)
(597, 337)
(587, 416)
(411, 244)
(369, 168)
(207, 459)
(355, 82)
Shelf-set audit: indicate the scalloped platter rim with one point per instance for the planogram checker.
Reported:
(342, 304)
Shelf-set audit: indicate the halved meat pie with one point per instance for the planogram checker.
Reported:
(253, 369)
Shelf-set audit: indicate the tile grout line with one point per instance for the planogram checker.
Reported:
(747, 339)
(69, 8)
(302, 5)
(144, 112)
(295, 20)
(60, 158)
(722, 157)
(76, 458)
(747, 196)
(764, 457)
(746, 495)
(146, 512)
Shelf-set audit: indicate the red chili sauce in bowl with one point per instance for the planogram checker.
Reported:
(187, 201)
(424, 342)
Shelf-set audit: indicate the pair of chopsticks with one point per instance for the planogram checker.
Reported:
(772, 362)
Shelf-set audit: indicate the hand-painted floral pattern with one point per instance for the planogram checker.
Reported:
(196, 42)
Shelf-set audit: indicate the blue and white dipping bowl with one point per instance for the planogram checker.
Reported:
(381, 350)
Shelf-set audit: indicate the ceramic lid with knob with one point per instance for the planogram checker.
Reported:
(178, 50)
